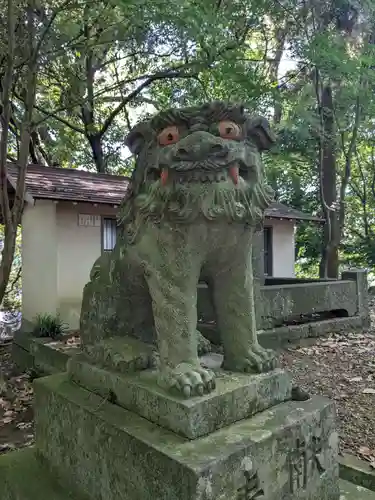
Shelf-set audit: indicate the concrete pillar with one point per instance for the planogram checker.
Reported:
(360, 277)
(39, 260)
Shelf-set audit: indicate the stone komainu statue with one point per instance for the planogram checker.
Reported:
(197, 193)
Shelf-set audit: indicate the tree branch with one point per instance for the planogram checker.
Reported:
(49, 24)
(158, 76)
(349, 154)
(50, 114)
(27, 124)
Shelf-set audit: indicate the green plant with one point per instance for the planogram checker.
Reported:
(47, 325)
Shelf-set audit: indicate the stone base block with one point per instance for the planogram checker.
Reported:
(23, 477)
(237, 396)
(108, 453)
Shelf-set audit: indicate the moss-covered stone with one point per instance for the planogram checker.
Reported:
(110, 453)
(192, 211)
(22, 358)
(44, 355)
(237, 396)
(23, 477)
(351, 491)
(122, 354)
(284, 301)
(46, 352)
(357, 471)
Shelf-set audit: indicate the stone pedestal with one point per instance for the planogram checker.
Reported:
(237, 396)
(108, 453)
(112, 434)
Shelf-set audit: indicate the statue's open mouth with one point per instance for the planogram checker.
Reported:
(231, 172)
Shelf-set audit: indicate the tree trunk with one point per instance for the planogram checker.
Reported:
(98, 153)
(329, 264)
(9, 241)
(7, 254)
(280, 37)
(12, 215)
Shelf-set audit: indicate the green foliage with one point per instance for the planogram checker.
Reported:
(47, 325)
(103, 61)
(106, 65)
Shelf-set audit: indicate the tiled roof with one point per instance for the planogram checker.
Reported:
(78, 185)
(281, 211)
(71, 184)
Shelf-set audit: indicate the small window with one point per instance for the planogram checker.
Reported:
(267, 232)
(109, 233)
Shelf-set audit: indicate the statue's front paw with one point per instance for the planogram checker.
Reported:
(254, 360)
(190, 380)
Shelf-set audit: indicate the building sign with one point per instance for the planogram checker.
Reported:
(89, 220)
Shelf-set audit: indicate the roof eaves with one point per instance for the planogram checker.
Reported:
(27, 197)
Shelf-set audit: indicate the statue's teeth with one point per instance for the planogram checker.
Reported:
(233, 174)
(164, 176)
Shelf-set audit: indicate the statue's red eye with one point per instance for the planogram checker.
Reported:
(229, 130)
(169, 135)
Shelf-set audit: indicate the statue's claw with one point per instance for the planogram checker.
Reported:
(255, 360)
(191, 381)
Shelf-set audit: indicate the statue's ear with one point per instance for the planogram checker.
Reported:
(137, 137)
(258, 129)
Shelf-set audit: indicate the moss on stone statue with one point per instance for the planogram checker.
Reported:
(237, 396)
(197, 195)
(110, 453)
(23, 477)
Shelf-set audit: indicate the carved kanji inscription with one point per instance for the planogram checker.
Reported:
(298, 466)
(304, 460)
(251, 490)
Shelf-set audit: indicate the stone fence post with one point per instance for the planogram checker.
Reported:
(360, 277)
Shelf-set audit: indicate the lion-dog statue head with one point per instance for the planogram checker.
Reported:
(199, 161)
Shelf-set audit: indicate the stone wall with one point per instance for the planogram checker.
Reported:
(291, 300)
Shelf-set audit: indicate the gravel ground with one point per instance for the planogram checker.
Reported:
(341, 367)
(16, 396)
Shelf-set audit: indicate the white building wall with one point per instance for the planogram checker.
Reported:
(58, 254)
(39, 260)
(283, 248)
(57, 257)
(78, 247)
